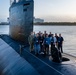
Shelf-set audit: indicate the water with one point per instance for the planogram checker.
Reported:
(4, 29)
(68, 32)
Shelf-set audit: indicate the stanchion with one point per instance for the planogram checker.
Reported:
(21, 48)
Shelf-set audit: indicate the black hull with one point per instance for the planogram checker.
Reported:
(26, 63)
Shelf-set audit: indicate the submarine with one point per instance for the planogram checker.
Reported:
(12, 62)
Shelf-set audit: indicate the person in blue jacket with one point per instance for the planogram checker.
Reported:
(46, 44)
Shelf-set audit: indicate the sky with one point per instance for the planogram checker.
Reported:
(49, 10)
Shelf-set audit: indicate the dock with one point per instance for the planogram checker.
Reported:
(12, 62)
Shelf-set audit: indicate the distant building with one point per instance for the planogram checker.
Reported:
(38, 20)
(4, 23)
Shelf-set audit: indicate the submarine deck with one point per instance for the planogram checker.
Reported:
(43, 65)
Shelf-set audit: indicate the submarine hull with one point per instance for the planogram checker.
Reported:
(21, 20)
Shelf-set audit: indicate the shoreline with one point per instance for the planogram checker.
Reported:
(52, 25)
(57, 23)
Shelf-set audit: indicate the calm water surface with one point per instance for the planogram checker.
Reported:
(68, 32)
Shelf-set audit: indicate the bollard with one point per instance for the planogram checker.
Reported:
(20, 49)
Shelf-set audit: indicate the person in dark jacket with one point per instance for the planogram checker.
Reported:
(60, 43)
(45, 33)
(50, 34)
(52, 40)
(41, 40)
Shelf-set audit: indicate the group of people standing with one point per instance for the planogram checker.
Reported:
(43, 42)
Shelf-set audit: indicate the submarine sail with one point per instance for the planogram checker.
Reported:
(21, 19)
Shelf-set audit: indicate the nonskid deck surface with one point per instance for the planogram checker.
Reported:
(12, 64)
(44, 65)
